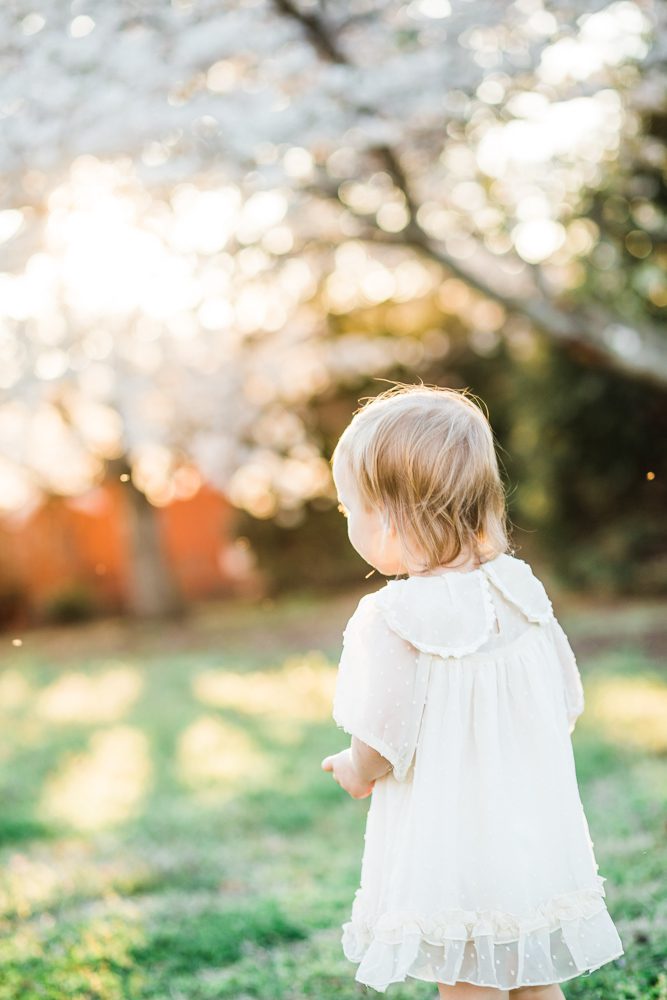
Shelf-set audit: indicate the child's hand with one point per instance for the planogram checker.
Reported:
(343, 771)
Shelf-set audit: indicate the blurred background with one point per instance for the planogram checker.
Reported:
(211, 250)
(222, 224)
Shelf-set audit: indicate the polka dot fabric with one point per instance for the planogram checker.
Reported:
(478, 864)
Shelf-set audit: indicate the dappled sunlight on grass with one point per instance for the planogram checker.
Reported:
(14, 690)
(110, 936)
(302, 688)
(103, 785)
(214, 751)
(26, 883)
(629, 710)
(85, 959)
(94, 872)
(85, 698)
(199, 851)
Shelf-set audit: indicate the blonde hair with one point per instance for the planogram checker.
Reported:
(425, 456)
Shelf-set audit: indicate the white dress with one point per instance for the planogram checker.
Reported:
(478, 864)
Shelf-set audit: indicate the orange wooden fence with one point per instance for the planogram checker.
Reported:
(81, 544)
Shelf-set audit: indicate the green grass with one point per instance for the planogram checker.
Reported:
(166, 832)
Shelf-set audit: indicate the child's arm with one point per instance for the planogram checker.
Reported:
(368, 763)
(379, 698)
(357, 768)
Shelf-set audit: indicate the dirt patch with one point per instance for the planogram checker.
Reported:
(297, 624)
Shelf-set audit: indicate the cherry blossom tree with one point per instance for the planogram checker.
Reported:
(191, 192)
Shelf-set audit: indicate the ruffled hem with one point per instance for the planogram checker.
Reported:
(571, 935)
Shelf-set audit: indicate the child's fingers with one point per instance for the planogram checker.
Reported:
(326, 764)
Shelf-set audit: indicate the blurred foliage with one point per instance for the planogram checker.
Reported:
(72, 603)
(629, 264)
(585, 450)
(588, 445)
(482, 205)
(580, 455)
(313, 553)
(581, 446)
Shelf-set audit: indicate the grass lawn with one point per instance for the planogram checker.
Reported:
(167, 833)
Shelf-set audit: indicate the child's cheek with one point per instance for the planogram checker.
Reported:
(355, 535)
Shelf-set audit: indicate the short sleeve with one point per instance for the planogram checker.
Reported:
(380, 687)
(571, 678)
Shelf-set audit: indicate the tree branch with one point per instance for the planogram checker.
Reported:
(637, 351)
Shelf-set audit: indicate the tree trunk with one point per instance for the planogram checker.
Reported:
(152, 589)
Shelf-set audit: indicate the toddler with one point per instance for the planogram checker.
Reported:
(460, 692)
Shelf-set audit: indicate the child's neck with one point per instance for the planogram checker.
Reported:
(464, 563)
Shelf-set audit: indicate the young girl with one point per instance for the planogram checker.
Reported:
(460, 691)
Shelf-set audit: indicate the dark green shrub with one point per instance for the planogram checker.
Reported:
(73, 603)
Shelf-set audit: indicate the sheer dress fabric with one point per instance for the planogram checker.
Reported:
(478, 864)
